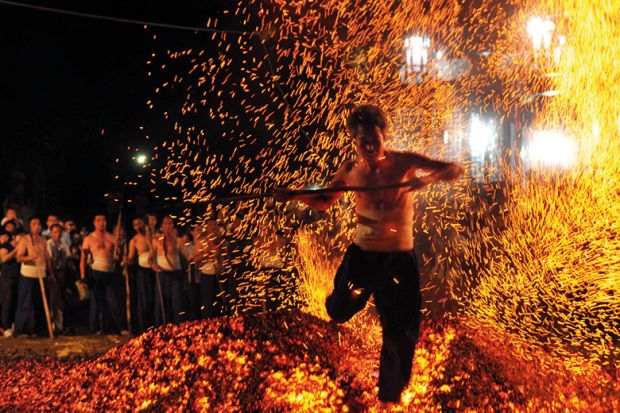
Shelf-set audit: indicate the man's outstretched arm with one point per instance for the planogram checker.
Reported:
(439, 170)
(323, 201)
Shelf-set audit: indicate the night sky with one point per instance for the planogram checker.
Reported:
(64, 80)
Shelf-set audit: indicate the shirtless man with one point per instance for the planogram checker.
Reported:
(99, 247)
(381, 260)
(140, 247)
(169, 249)
(35, 263)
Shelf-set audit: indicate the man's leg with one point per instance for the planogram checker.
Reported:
(8, 289)
(348, 296)
(24, 304)
(23, 314)
(113, 301)
(398, 300)
(99, 281)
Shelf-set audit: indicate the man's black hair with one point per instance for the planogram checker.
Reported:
(57, 225)
(33, 218)
(366, 116)
(10, 221)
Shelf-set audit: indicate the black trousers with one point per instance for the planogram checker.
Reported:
(394, 280)
(171, 284)
(8, 298)
(145, 290)
(30, 315)
(107, 301)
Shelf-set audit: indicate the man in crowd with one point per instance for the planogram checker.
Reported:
(11, 215)
(59, 254)
(35, 262)
(9, 279)
(151, 227)
(99, 248)
(169, 250)
(140, 247)
(51, 221)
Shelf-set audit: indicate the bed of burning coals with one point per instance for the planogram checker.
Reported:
(292, 361)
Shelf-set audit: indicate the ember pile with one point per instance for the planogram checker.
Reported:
(285, 362)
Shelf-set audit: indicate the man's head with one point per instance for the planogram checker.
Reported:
(212, 227)
(368, 125)
(51, 220)
(138, 225)
(4, 236)
(56, 232)
(151, 220)
(70, 225)
(100, 223)
(35, 226)
(167, 226)
(10, 227)
(11, 213)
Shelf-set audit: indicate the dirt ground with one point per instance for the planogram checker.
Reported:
(62, 346)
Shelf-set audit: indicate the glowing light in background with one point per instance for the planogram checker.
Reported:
(550, 149)
(482, 134)
(416, 52)
(541, 32)
(141, 159)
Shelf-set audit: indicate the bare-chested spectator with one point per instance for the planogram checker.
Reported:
(35, 263)
(168, 252)
(98, 249)
(140, 249)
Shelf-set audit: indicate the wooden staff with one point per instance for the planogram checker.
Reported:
(127, 292)
(46, 307)
(124, 269)
(161, 298)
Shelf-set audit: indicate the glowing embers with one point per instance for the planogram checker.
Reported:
(549, 149)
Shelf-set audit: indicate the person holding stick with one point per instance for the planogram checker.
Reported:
(35, 262)
(169, 249)
(100, 247)
(141, 250)
(381, 260)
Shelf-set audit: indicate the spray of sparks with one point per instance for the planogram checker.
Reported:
(539, 261)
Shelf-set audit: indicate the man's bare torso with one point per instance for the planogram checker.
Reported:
(142, 244)
(385, 217)
(168, 252)
(35, 246)
(101, 247)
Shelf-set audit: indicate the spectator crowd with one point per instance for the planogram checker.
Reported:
(56, 278)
